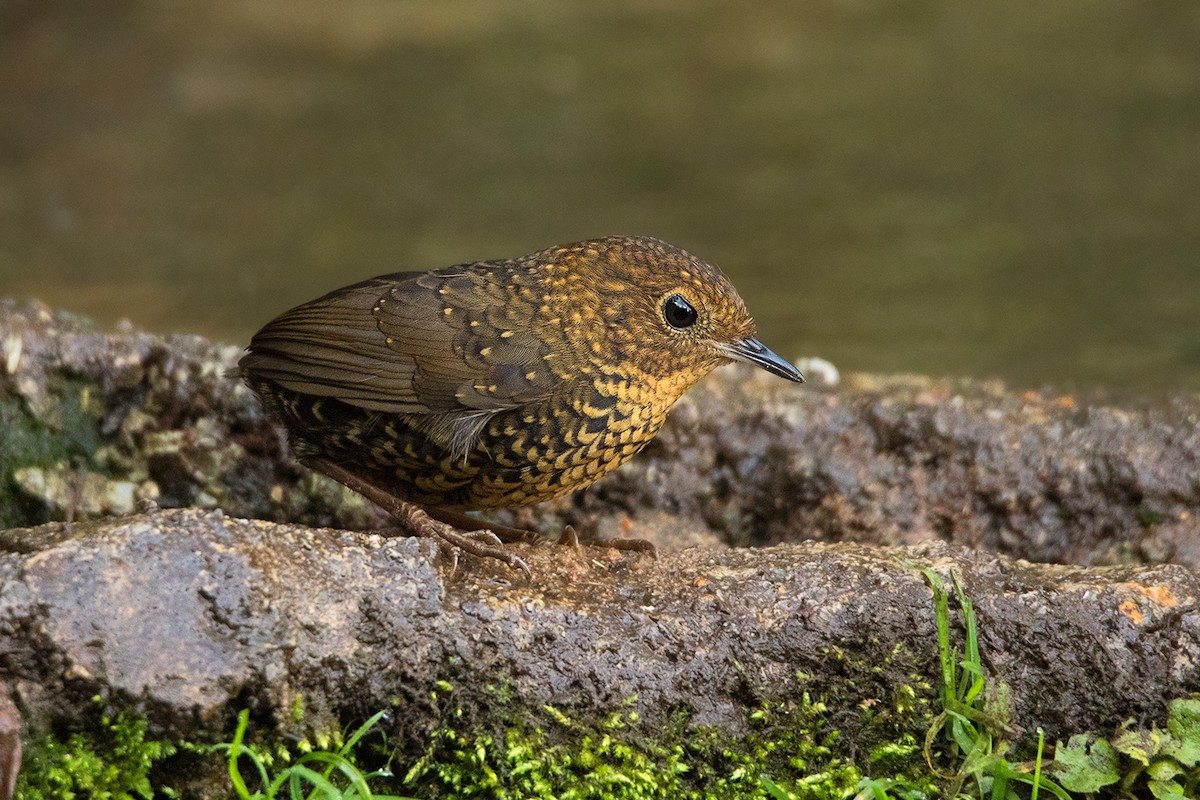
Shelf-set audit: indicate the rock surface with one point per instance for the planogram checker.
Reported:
(98, 424)
(192, 612)
(196, 613)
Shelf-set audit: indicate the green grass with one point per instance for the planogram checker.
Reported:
(974, 721)
(316, 775)
(972, 732)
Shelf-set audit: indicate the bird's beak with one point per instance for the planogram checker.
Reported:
(752, 351)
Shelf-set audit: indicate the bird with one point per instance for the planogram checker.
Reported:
(498, 383)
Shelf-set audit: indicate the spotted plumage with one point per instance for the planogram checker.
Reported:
(500, 383)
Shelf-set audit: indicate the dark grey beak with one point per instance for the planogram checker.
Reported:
(752, 351)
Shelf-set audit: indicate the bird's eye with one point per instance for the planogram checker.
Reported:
(678, 312)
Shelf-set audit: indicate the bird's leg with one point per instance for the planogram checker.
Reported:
(417, 522)
(465, 522)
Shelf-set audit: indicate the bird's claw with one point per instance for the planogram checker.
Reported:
(568, 537)
(483, 543)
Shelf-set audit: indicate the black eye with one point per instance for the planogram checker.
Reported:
(678, 312)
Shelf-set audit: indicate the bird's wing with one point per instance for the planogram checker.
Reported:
(450, 341)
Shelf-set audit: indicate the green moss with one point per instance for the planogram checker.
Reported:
(788, 748)
(66, 431)
(112, 761)
(554, 755)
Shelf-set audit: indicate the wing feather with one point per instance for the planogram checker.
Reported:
(450, 341)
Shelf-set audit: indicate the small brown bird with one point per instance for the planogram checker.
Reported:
(498, 383)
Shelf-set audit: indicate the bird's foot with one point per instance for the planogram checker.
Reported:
(570, 538)
(465, 522)
(481, 541)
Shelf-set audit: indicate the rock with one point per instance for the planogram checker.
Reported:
(283, 594)
(69, 491)
(10, 744)
(192, 613)
(743, 459)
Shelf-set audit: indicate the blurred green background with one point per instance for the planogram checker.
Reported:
(990, 189)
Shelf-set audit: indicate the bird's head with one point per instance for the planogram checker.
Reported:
(662, 309)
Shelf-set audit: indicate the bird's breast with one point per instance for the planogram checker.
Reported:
(565, 443)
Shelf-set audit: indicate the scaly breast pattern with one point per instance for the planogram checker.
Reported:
(522, 456)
